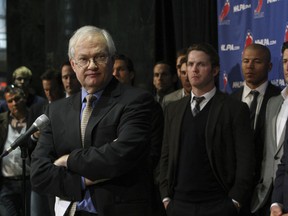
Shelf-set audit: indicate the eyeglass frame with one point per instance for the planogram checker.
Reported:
(96, 60)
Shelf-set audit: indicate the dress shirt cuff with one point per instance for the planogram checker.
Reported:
(83, 183)
(166, 199)
(276, 204)
(33, 138)
(236, 203)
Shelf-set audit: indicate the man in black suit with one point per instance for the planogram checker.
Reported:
(109, 175)
(256, 65)
(206, 166)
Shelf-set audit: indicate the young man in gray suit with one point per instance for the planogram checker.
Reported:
(279, 105)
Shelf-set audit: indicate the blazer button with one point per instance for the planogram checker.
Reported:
(276, 158)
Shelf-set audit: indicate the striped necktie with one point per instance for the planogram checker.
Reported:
(86, 115)
(196, 109)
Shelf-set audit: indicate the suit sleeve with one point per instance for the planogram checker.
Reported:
(278, 190)
(244, 154)
(48, 178)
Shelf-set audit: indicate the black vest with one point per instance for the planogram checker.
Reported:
(195, 181)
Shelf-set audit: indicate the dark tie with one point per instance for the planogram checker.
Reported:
(86, 115)
(196, 109)
(253, 107)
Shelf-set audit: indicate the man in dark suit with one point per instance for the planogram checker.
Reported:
(256, 65)
(109, 175)
(280, 192)
(206, 166)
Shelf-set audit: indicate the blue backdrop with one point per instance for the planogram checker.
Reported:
(242, 22)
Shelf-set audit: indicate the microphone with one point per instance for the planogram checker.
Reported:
(40, 123)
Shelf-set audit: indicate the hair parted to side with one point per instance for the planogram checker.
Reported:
(209, 50)
(12, 89)
(87, 31)
(22, 71)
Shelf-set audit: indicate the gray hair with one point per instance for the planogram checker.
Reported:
(86, 31)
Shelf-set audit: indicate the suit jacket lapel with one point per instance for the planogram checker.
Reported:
(214, 113)
(73, 114)
(104, 104)
(277, 109)
(181, 108)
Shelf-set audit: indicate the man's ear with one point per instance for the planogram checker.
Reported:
(215, 71)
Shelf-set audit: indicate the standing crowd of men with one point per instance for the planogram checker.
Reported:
(113, 149)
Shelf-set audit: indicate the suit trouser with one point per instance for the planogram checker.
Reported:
(224, 207)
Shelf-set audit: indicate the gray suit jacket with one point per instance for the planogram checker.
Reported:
(174, 96)
(271, 156)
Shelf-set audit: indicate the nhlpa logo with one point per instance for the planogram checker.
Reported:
(225, 11)
(259, 7)
(248, 39)
(286, 33)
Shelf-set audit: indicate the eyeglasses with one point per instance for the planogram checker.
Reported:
(97, 60)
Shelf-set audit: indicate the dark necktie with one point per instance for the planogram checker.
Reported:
(253, 107)
(196, 109)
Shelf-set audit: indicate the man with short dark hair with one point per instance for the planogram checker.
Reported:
(123, 69)
(69, 80)
(206, 165)
(164, 79)
(277, 130)
(13, 125)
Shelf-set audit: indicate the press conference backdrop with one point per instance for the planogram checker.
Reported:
(242, 22)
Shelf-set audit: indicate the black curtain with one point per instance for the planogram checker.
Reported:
(146, 31)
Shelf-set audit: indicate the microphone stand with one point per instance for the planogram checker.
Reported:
(24, 154)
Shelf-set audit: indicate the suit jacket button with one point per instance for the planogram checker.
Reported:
(276, 158)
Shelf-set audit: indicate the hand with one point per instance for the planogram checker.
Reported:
(62, 161)
(276, 211)
(89, 182)
(36, 134)
(166, 203)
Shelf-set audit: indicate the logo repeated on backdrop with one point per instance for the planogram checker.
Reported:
(224, 12)
(258, 13)
(259, 6)
(286, 33)
(248, 39)
(241, 7)
(243, 22)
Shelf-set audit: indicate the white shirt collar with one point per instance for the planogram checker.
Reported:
(261, 89)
